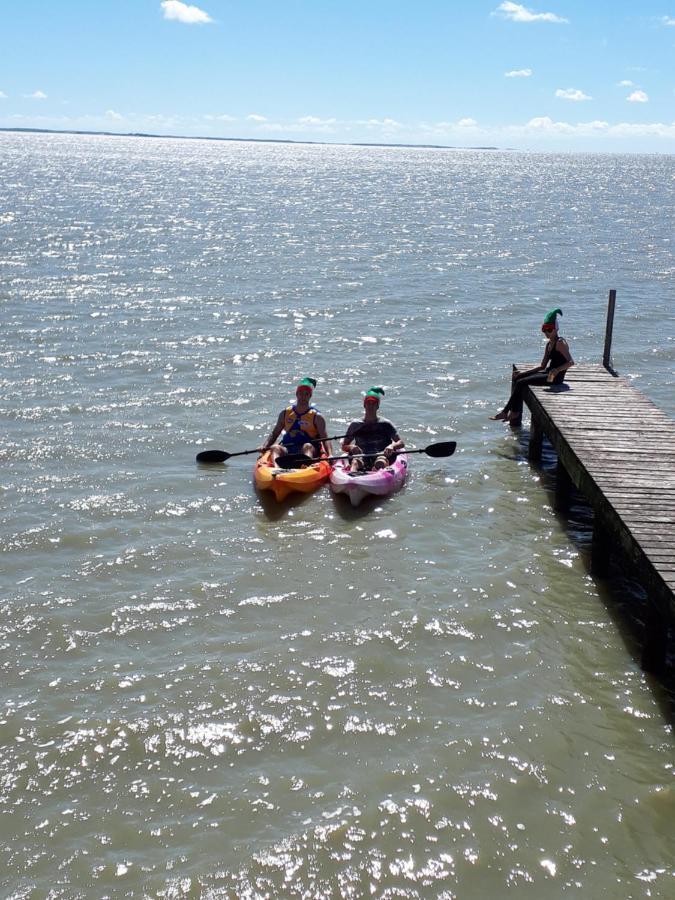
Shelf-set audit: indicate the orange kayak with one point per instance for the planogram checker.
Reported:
(283, 482)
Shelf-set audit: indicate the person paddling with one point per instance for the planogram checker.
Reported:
(556, 361)
(303, 427)
(372, 435)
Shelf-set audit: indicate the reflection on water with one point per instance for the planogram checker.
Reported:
(207, 693)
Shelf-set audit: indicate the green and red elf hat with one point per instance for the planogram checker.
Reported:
(307, 383)
(374, 393)
(550, 319)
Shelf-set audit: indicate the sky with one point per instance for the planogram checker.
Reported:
(561, 75)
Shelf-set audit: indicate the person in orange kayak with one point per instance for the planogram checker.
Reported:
(551, 370)
(303, 427)
(372, 435)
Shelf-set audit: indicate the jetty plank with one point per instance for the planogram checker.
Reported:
(617, 448)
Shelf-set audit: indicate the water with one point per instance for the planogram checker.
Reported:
(207, 695)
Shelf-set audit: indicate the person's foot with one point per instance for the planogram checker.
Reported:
(500, 417)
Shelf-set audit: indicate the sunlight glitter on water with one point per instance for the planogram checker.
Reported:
(206, 693)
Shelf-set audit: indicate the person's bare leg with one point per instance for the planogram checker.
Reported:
(276, 450)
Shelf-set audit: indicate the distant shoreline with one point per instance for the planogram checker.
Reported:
(187, 137)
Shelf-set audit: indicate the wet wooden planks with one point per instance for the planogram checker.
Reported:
(618, 449)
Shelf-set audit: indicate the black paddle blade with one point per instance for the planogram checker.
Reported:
(447, 448)
(294, 461)
(212, 456)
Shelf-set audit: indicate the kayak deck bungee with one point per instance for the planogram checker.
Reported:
(375, 483)
(282, 482)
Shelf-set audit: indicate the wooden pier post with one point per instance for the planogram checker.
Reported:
(600, 549)
(563, 488)
(655, 643)
(609, 328)
(536, 442)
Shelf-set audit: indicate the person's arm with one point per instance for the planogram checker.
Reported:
(320, 423)
(395, 444)
(349, 441)
(569, 362)
(274, 434)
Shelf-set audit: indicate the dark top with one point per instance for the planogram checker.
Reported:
(555, 360)
(372, 437)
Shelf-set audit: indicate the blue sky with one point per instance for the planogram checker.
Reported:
(546, 74)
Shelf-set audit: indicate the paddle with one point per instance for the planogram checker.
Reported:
(220, 456)
(445, 448)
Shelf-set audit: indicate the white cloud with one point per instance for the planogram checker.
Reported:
(572, 94)
(546, 127)
(315, 120)
(36, 95)
(303, 125)
(115, 116)
(544, 124)
(256, 118)
(467, 123)
(668, 20)
(518, 73)
(183, 12)
(381, 123)
(518, 13)
(637, 97)
(3, 95)
(626, 83)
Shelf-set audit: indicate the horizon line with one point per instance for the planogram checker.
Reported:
(193, 137)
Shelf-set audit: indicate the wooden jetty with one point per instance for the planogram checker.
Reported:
(618, 449)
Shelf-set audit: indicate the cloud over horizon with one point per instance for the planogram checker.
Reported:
(638, 97)
(515, 12)
(544, 125)
(518, 73)
(316, 120)
(540, 131)
(177, 11)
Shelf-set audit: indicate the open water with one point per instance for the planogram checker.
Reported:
(205, 695)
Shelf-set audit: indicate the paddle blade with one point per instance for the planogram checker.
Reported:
(212, 456)
(293, 461)
(447, 448)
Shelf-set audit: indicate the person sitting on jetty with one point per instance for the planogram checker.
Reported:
(303, 427)
(557, 360)
(372, 435)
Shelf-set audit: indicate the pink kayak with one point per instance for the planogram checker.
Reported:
(379, 483)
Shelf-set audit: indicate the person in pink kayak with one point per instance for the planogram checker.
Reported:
(303, 427)
(372, 435)
(551, 370)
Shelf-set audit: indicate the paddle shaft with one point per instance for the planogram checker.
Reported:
(445, 448)
(371, 455)
(220, 456)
